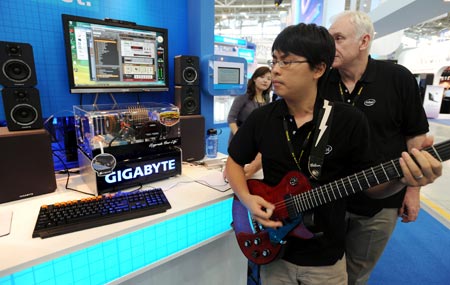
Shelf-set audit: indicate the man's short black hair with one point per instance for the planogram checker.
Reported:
(308, 40)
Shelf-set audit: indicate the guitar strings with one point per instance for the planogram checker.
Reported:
(314, 197)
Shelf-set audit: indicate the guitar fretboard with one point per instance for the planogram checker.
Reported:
(360, 181)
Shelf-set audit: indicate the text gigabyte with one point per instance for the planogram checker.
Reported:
(139, 171)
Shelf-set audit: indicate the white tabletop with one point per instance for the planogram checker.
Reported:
(20, 251)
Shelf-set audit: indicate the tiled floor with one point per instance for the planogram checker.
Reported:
(435, 198)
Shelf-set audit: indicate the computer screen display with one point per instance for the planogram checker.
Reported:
(105, 56)
(228, 75)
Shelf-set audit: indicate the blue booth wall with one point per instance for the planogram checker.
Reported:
(38, 22)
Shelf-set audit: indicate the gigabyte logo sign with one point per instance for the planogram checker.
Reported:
(139, 171)
(26, 195)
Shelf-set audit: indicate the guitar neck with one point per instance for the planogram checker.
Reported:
(361, 181)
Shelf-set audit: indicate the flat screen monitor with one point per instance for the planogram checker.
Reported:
(228, 75)
(105, 56)
(224, 75)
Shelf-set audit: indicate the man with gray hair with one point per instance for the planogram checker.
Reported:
(288, 133)
(389, 96)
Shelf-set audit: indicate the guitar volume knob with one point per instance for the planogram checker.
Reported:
(247, 243)
(266, 252)
(293, 181)
(257, 241)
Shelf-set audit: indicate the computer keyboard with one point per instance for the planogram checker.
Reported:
(76, 215)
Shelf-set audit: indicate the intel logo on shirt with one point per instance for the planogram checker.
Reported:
(369, 102)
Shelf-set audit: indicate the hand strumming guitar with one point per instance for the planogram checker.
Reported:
(259, 208)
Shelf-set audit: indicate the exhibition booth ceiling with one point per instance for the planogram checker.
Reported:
(257, 14)
(242, 13)
(259, 21)
(437, 27)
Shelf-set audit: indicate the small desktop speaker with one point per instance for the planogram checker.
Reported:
(187, 99)
(187, 70)
(17, 65)
(192, 129)
(26, 164)
(22, 108)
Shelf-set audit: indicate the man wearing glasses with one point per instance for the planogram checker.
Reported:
(286, 133)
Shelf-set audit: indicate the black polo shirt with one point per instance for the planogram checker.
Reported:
(348, 152)
(390, 98)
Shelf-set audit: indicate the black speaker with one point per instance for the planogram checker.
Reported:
(17, 65)
(187, 70)
(22, 108)
(26, 164)
(192, 129)
(187, 99)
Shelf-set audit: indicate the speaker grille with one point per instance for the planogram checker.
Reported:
(16, 71)
(187, 70)
(24, 114)
(22, 108)
(17, 65)
(187, 99)
(190, 75)
(190, 106)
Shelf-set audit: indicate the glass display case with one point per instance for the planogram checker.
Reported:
(123, 145)
(146, 126)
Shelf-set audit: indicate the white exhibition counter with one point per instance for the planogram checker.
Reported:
(191, 243)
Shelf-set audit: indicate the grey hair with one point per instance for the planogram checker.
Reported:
(360, 20)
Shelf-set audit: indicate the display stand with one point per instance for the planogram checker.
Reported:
(110, 95)
(192, 243)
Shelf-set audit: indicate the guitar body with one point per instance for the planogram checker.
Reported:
(293, 196)
(260, 245)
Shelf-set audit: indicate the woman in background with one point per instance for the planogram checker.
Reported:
(257, 95)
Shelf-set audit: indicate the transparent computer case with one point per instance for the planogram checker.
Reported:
(143, 139)
(148, 126)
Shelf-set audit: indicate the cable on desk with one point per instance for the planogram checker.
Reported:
(214, 186)
(201, 182)
(68, 176)
(176, 184)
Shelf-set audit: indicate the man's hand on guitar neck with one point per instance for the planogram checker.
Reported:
(421, 170)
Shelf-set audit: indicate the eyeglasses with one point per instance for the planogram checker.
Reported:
(284, 63)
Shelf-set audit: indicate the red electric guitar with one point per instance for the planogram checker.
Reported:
(293, 196)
